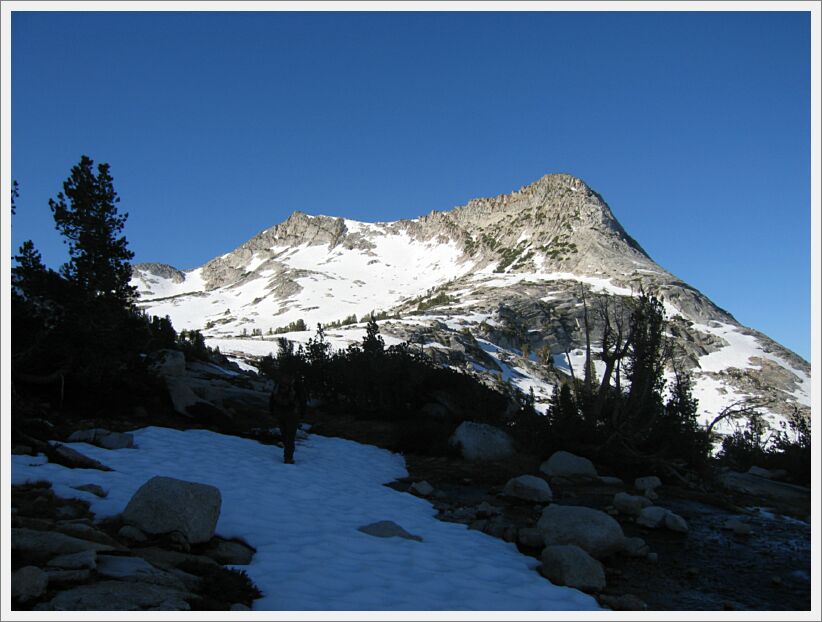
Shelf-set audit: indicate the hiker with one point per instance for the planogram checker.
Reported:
(287, 403)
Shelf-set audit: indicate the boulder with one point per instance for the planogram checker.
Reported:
(135, 569)
(60, 577)
(631, 505)
(118, 596)
(569, 565)
(182, 397)
(51, 542)
(649, 482)
(387, 529)
(567, 465)
(132, 534)
(75, 460)
(592, 530)
(480, 442)
(169, 363)
(674, 522)
(168, 560)
(422, 489)
(528, 488)
(87, 532)
(164, 505)
(484, 510)
(625, 602)
(75, 561)
(28, 583)
(608, 480)
(652, 517)
(103, 438)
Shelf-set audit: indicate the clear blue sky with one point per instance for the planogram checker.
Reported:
(695, 127)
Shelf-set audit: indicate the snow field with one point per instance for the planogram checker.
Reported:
(303, 520)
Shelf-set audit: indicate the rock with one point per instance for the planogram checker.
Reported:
(592, 530)
(21, 450)
(132, 534)
(481, 442)
(776, 492)
(479, 524)
(529, 488)
(635, 547)
(93, 489)
(674, 522)
(178, 541)
(118, 596)
(169, 363)
(167, 560)
(631, 505)
(230, 552)
(624, 602)
(567, 465)
(75, 561)
(776, 474)
(569, 565)
(181, 394)
(28, 583)
(652, 517)
(648, 482)
(610, 481)
(485, 509)
(422, 489)
(530, 537)
(238, 607)
(387, 529)
(510, 534)
(739, 527)
(87, 532)
(135, 569)
(653, 557)
(103, 438)
(163, 505)
(75, 460)
(67, 577)
(650, 494)
(51, 542)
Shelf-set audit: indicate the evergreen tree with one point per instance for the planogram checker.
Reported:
(373, 344)
(86, 214)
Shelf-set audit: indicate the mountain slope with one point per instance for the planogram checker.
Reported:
(484, 287)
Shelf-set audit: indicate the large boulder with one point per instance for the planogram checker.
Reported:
(592, 530)
(654, 517)
(169, 363)
(569, 565)
(648, 482)
(528, 488)
(478, 441)
(569, 466)
(164, 505)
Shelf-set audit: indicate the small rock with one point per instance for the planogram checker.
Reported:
(610, 481)
(650, 494)
(625, 602)
(75, 460)
(232, 552)
(422, 489)
(648, 482)
(776, 580)
(28, 583)
(387, 529)
(635, 547)
(485, 509)
(22, 450)
(238, 607)
(653, 557)
(567, 564)
(132, 534)
(93, 489)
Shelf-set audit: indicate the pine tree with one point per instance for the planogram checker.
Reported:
(86, 214)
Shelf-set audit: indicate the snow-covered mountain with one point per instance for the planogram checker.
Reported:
(494, 287)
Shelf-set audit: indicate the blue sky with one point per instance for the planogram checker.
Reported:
(695, 128)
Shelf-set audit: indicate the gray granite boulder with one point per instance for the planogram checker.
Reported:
(164, 505)
(118, 596)
(528, 488)
(567, 465)
(592, 530)
(28, 583)
(631, 505)
(569, 565)
(387, 529)
(479, 442)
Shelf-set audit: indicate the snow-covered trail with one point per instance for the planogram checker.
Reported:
(303, 520)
